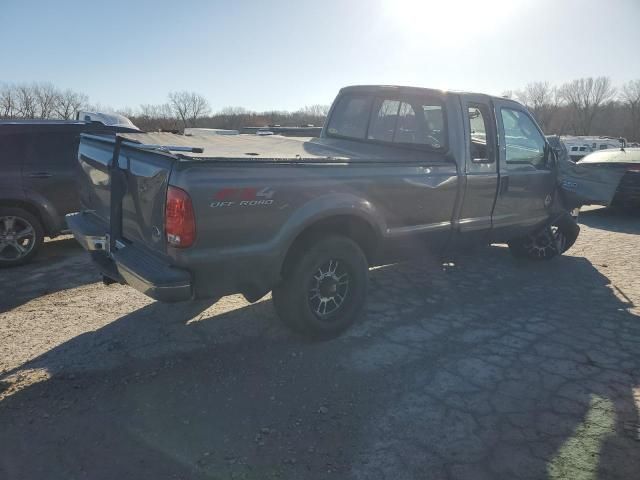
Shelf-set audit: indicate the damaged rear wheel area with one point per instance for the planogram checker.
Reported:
(548, 242)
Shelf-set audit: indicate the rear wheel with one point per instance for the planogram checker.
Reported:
(324, 287)
(21, 236)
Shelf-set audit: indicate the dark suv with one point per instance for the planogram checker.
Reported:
(38, 166)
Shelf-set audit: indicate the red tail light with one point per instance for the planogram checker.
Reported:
(179, 220)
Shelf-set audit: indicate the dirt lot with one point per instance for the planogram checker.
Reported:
(486, 368)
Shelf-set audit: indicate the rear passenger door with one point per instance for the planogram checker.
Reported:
(12, 150)
(49, 172)
(527, 175)
(481, 170)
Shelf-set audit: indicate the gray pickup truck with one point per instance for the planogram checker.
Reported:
(396, 172)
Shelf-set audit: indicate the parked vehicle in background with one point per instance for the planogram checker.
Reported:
(581, 146)
(584, 183)
(38, 172)
(397, 171)
(627, 160)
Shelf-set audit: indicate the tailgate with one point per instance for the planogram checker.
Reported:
(145, 175)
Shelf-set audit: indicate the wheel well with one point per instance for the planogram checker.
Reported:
(29, 207)
(355, 228)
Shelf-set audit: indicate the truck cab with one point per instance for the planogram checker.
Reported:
(507, 170)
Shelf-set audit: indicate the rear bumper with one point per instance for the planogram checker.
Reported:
(129, 264)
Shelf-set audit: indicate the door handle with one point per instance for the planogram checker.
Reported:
(40, 175)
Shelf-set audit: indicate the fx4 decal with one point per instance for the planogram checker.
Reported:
(242, 197)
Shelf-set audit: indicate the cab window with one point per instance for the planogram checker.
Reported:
(524, 143)
(384, 117)
(350, 117)
(408, 121)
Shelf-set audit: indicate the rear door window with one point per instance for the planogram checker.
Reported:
(12, 149)
(479, 132)
(53, 149)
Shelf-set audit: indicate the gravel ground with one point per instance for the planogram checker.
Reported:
(481, 368)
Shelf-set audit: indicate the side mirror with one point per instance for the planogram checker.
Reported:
(550, 157)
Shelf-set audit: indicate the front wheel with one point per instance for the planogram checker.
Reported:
(324, 287)
(547, 243)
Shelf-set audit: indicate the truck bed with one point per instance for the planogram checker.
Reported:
(274, 148)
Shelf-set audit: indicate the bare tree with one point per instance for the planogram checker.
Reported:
(234, 111)
(8, 101)
(46, 97)
(70, 103)
(26, 105)
(199, 107)
(586, 97)
(156, 117)
(189, 107)
(542, 100)
(631, 98)
(315, 110)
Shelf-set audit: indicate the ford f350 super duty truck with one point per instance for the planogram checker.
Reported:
(397, 171)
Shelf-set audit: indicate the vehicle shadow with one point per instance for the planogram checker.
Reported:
(61, 264)
(611, 219)
(488, 368)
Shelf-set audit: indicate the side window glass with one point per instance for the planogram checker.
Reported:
(12, 149)
(524, 143)
(478, 128)
(53, 149)
(350, 116)
(384, 117)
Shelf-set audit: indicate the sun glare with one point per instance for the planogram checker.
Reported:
(449, 21)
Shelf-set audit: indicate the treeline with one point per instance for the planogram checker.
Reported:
(586, 106)
(179, 113)
(40, 100)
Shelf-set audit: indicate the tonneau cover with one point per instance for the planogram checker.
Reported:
(276, 147)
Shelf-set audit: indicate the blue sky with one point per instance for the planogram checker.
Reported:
(275, 54)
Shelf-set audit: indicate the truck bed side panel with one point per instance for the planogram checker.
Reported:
(255, 212)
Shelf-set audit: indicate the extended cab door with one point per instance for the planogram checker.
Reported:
(481, 170)
(527, 175)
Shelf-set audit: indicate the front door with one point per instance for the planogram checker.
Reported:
(527, 174)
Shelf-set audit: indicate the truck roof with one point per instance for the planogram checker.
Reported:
(403, 89)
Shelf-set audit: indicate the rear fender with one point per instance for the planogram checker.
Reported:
(324, 208)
